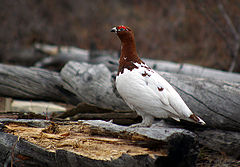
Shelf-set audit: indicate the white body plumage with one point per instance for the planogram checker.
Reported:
(150, 95)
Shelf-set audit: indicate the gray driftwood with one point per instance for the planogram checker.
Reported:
(216, 101)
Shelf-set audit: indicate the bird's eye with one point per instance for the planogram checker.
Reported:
(122, 28)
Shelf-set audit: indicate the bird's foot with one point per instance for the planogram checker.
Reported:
(138, 125)
(147, 121)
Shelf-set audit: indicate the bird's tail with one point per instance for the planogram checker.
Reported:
(196, 119)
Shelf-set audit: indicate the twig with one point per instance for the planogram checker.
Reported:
(212, 21)
(232, 28)
(13, 148)
(234, 50)
(228, 21)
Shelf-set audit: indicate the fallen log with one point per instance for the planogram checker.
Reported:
(216, 101)
(222, 141)
(215, 139)
(63, 54)
(192, 70)
(95, 143)
(33, 83)
(60, 55)
(93, 84)
(85, 111)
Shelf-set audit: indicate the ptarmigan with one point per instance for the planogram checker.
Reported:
(143, 89)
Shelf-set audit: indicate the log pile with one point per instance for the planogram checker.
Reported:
(216, 101)
(88, 83)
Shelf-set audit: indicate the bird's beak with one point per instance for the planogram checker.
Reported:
(114, 29)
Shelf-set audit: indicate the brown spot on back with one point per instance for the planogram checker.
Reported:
(160, 89)
(128, 65)
(194, 117)
(147, 68)
(145, 74)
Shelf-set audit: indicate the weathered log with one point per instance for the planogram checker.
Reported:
(25, 56)
(36, 107)
(92, 84)
(159, 65)
(181, 146)
(54, 50)
(23, 153)
(222, 141)
(216, 101)
(33, 83)
(63, 54)
(60, 55)
(30, 122)
(227, 142)
(85, 111)
(192, 70)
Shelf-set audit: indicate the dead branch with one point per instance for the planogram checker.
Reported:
(233, 30)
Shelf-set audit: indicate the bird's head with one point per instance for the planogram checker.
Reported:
(123, 32)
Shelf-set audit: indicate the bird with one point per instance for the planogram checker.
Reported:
(143, 89)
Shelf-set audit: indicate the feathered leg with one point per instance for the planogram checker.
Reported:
(147, 121)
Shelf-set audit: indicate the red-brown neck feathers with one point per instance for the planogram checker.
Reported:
(128, 51)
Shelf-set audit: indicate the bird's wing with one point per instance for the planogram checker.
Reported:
(169, 99)
(165, 92)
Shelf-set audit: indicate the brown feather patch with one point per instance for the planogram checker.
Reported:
(160, 89)
(145, 74)
(194, 117)
(128, 65)
(147, 68)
